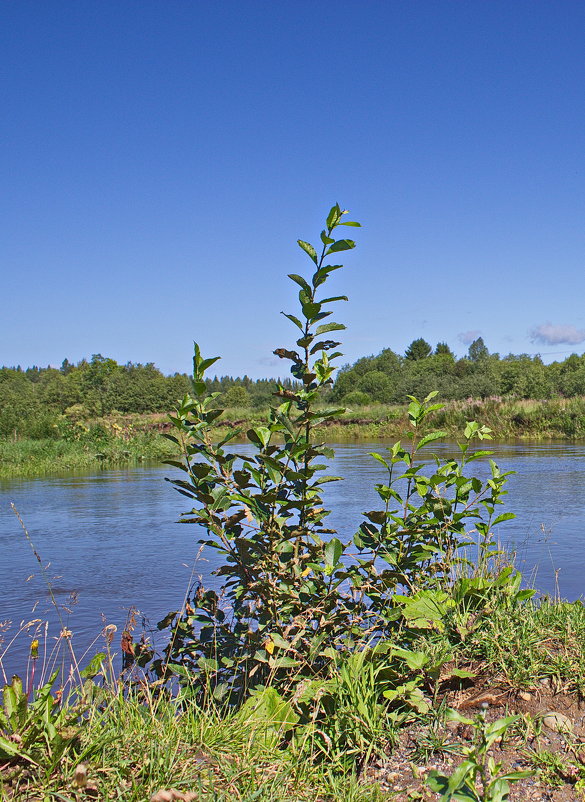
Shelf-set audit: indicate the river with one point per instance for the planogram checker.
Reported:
(110, 543)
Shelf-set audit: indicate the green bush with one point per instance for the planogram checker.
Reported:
(237, 396)
(357, 399)
(295, 599)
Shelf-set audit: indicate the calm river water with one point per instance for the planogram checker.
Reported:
(111, 541)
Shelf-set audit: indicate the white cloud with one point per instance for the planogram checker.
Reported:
(467, 337)
(547, 334)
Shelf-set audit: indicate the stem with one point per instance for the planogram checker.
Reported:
(307, 409)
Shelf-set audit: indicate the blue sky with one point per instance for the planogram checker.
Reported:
(159, 159)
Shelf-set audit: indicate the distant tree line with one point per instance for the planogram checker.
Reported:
(34, 400)
(389, 377)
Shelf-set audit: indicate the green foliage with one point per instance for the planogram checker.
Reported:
(479, 375)
(349, 721)
(376, 385)
(418, 349)
(478, 350)
(479, 768)
(357, 398)
(442, 349)
(295, 599)
(37, 732)
(237, 396)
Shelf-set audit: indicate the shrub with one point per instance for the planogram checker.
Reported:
(237, 396)
(296, 600)
(357, 399)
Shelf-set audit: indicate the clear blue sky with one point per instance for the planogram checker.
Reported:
(159, 159)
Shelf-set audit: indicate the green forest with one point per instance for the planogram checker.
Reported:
(389, 378)
(50, 402)
(53, 402)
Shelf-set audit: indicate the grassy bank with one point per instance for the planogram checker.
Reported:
(549, 419)
(122, 739)
(29, 458)
(123, 440)
(108, 442)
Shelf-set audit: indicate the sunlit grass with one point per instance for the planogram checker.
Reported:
(27, 458)
(522, 418)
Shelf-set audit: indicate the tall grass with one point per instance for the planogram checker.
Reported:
(28, 458)
(562, 418)
(508, 418)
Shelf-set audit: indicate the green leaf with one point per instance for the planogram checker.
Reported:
(266, 710)
(461, 673)
(294, 319)
(329, 327)
(94, 667)
(340, 245)
(279, 641)
(517, 775)
(426, 608)
(477, 455)
(311, 310)
(350, 223)
(300, 281)
(334, 216)
(322, 480)
(207, 363)
(429, 438)
(525, 594)
(414, 660)
(454, 715)
(260, 436)
(308, 248)
(333, 551)
(303, 342)
(305, 296)
(9, 749)
(283, 662)
(505, 516)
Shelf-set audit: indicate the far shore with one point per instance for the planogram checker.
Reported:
(118, 440)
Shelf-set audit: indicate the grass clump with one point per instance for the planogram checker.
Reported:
(25, 458)
(133, 743)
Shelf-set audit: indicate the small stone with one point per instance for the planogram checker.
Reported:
(557, 722)
(525, 695)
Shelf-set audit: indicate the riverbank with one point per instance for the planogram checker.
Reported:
(132, 439)
(505, 683)
(27, 459)
(559, 418)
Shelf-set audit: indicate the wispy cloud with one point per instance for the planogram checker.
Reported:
(467, 337)
(269, 361)
(547, 334)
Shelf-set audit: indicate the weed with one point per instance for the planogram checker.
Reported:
(479, 778)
